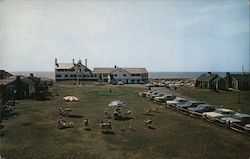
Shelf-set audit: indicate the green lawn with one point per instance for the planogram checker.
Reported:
(33, 133)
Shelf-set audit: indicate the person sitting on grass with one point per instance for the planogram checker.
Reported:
(61, 111)
(128, 112)
(2, 125)
(107, 113)
(116, 114)
(63, 124)
(86, 124)
(107, 125)
(148, 122)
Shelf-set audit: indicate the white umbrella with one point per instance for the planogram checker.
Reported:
(117, 103)
(70, 98)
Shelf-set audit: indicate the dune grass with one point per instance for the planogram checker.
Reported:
(33, 133)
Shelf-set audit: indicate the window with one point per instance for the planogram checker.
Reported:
(66, 75)
(105, 75)
(71, 75)
(58, 75)
(124, 75)
(115, 74)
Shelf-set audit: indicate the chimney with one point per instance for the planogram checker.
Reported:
(115, 66)
(86, 62)
(73, 61)
(209, 73)
(56, 61)
(18, 77)
(228, 80)
(31, 75)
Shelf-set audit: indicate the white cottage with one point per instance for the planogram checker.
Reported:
(126, 75)
(70, 71)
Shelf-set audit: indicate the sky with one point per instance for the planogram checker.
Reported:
(161, 35)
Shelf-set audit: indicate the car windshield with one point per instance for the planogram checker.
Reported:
(202, 106)
(226, 112)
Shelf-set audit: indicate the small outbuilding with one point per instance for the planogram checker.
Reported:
(238, 81)
(205, 80)
(219, 84)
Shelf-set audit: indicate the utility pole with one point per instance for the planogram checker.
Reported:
(239, 96)
(78, 71)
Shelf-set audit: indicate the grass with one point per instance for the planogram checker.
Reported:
(33, 132)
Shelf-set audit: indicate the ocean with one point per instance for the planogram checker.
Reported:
(152, 75)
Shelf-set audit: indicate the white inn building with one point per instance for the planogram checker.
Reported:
(78, 71)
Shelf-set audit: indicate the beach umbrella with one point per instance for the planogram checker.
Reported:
(117, 103)
(70, 98)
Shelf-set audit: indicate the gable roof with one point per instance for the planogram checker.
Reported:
(4, 74)
(240, 77)
(108, 70)
(103, 70)
(218, 79)
(64, 65)
(207, 77)
(136, 70)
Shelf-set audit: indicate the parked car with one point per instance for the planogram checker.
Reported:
(218, 113)
(176, 101)
(161, 85)
(189, 104)
(239, 119)
(151, 84)
(120, 83)
(163, 99)
(201, 108)
(151, 93)
(229, 120)
(151, 97)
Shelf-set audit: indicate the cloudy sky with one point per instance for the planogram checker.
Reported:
(162, 35)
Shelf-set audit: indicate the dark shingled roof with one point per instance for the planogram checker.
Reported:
(240, 77)
(218, 79)
(207, 77)
(4, 74)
